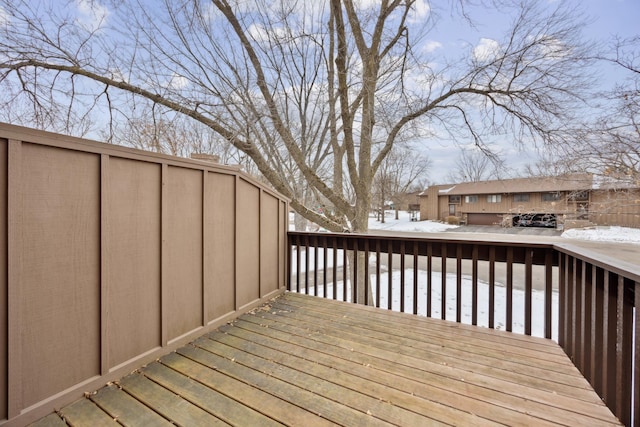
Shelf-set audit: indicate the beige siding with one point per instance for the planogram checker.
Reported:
(620, 207)
(113, 256)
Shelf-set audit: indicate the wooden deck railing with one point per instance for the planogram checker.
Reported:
(585, 304)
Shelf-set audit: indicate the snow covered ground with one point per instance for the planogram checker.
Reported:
(605, 234)
(612, 234)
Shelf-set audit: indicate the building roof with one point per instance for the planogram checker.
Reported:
(575, 182)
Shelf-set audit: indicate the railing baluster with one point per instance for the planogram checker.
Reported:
(324, 266)
(576, 285)
(492, 286)
(548, 292)
(377, 272)
(528, 289)
(509, 319)
(315, 266)
(298, 265)
(345, 270)
(609, 349)
(402, 283)
(562, 300)
(459, 283)
(429, 276)
(623, 353)
(354, 283)
(366, 272)
(474, 290)
(443, 294)
(335, 269)
(390, 274)
(596, 327)
(415, 277)
(306, 266)
(587, 318)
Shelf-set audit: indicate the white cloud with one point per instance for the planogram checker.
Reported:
(91, 14)
(419, 11)
(431, 45)
(486, 50)
(178, 82)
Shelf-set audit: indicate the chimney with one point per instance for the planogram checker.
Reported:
(211, 158)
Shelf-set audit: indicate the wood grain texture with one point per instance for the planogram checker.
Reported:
(301, 360)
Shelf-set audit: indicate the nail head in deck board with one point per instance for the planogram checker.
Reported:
(126, 409)
(210, 400)
(167, 403)
(86, 413)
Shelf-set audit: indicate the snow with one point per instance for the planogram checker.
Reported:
(404, 223)
(537, 300)
(605, 234)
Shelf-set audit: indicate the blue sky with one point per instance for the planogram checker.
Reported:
(606, 19)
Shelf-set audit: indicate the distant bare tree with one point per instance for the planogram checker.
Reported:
(316, 94)
(401, 170)
(474, 165)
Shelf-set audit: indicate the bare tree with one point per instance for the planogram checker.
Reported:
(316, 94)
(398, 174)
(609, 146)
(474, 165)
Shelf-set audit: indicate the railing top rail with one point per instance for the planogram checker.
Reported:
(433, 237)
(610, 263)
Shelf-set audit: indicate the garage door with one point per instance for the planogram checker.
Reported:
(483, 219)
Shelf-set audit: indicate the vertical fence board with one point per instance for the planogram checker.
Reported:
(14, 278)
(60, 270)
(132, 252)
(184, 251)
(4, 173)
(219, 237)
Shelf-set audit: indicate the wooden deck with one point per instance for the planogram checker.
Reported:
(308, 361)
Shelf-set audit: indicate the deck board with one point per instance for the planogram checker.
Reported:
(302, 360)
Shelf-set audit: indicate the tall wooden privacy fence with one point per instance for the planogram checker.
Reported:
(589, 305)
(112, 256)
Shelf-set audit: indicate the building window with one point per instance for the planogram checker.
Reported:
(521, 197)
(551, 197)
(454, 199)
(494, 198)
(579, 196)
(470, 199)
